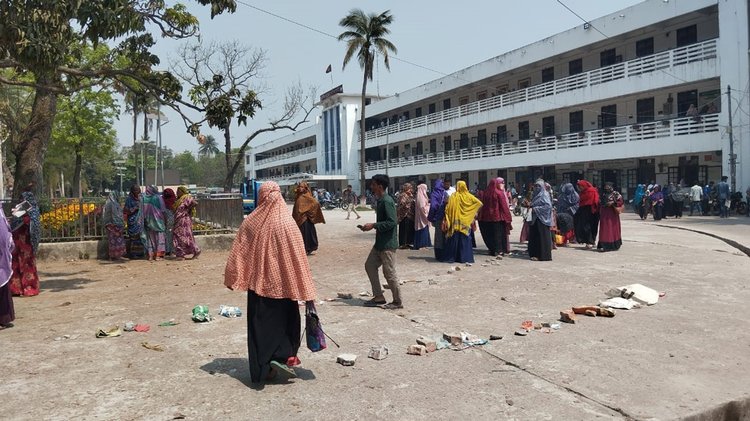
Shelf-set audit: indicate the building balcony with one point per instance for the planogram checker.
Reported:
(275, 158)
(631, 138)
(665, 60)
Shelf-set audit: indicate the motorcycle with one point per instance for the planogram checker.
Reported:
(737, 204)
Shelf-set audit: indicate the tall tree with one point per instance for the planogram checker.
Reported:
(365, 37)
(223, 80)
(209, 147)
(43, 40)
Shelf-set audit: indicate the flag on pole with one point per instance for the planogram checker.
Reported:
(329, 69)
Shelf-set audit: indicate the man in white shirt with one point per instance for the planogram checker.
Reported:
(696, 195)
(448, 188)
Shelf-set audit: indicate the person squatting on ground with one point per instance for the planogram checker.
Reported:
(307, 213)
(383, 253)
(267, 260)
(350, 198)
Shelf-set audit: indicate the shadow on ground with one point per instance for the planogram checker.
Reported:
(237, 368)
(59, 285)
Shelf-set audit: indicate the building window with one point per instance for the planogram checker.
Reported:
(644, 110)
(501, 89)
(644, 47)
(608, 117)
(447, 104)
(548, 126)
(431, 108)
(575, 121)
(447, 144)
(523, 130)
(684, 100)
(548, 74)
(687, 35)
(418, 112)
(482, 137)
(433, 145)
(406, 115)
(464, 140)
(524, 83)
(575, 66)
(607, 57)
(481, 95)
(463, 100)
(502, 134)
(420, 149)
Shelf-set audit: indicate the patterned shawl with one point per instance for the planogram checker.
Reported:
(35, 224)
(306, 207)
(169, 198)
(541, 203)
(268, 254)
(461, 209)
(183, 199)
(6, 250)
(422, 208)
(151, 215)
(405, 208)
(112, 213)
(568, 200)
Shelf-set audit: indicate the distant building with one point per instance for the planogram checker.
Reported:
(575, 105)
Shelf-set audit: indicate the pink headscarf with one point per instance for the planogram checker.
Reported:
(422, 208)
(268, 254)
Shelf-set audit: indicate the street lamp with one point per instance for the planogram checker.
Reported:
(161, 120)
(144, 142)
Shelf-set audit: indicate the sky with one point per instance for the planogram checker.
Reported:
(439, 35)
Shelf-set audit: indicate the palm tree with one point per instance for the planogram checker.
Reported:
(364, 36)
(210, 147)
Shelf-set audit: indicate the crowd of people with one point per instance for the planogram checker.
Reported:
(671, 200)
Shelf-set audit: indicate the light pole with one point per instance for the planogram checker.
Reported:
(142, 180)
(161, 120)
(120, 170)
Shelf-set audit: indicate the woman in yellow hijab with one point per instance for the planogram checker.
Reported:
(459, 216)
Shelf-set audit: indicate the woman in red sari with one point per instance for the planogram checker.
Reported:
(26, 232)
(586, 219)
(184, 210)
(610, 236)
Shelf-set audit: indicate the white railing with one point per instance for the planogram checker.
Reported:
(664, 60)
(297, 152)
(297, 175)
(620, 134)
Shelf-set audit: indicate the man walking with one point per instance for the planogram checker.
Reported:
(383, 253)
(696, 196)
(350, 198)
(722, 194)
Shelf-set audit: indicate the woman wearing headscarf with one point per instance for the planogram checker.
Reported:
(526, 211)
(657, 202)
(638, 207)
(506, 219)
(489, 216)
(133, 245)
(438, 201)
(540, 234)
(567, 205)
(405, 216)
(26, 232)
(610, 236)
(184, 211)
(7, 314)
(459, 216)
(421, 223)
(152, 220)
(307, 213)
(114, 225)
(169, 199)
(586, 219)
(266, 260)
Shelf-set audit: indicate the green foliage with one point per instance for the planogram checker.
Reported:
(209, 147)
(364, 36)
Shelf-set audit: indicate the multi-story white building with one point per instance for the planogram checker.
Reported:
(609, 100)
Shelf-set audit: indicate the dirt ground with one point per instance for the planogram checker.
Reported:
(686, 354)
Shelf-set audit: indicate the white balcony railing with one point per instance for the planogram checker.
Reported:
(664, 60)
(296, 175)
(655, 130)
(297, 152)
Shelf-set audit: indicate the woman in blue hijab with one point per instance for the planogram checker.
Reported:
(540, 236)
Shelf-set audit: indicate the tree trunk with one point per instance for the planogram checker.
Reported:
(362, 179)
(33, 144)
(228, 160)
(77, 171)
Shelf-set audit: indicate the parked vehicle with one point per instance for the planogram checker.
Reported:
(737, 204)
(249, 191)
